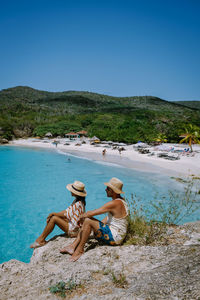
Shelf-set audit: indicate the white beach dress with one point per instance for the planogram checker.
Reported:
(118, 226)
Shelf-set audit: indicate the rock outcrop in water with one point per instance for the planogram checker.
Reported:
(123, 272)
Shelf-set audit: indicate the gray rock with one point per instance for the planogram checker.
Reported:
(22, 133)
(3, 141)
(120, 272)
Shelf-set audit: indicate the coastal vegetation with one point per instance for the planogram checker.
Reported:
(149, 226)
(191, 104)
(26, 112)
(119, 280)
(191, 135)
(62, 289)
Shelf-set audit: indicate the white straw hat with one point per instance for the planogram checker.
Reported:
(78, 188)
(115, 184)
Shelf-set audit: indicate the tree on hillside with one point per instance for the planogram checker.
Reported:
(191, 135)
(161, 138)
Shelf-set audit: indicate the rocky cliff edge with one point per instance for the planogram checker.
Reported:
(123, 272)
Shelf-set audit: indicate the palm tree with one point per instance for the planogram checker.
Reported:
(161, 138)
(191, 135)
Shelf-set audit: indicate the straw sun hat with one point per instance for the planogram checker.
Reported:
(115, 184)
(77, 188)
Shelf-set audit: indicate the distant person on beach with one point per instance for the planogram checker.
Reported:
(104, 152)
(111, 230)
(67, 219)
(55, 143)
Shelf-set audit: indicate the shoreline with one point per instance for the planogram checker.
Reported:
(130, 158)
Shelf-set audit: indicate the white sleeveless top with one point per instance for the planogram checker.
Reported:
(118, 226)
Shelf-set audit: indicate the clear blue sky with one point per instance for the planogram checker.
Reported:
(119, 48)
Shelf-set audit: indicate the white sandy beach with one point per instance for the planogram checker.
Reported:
(130, 158)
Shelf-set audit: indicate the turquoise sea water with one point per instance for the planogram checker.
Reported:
(32, 184)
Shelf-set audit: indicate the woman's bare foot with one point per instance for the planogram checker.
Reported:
(37, 245)
(76, 256)
(67, 249)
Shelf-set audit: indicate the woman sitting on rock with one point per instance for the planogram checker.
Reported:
(66, 219)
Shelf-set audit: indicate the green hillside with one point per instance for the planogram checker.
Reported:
(191, 104)
(70, 99)
(25, 111)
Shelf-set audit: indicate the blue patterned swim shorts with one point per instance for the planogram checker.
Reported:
(104, 234)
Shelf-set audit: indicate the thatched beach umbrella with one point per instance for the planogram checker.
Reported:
(95, 139)
(48, 134)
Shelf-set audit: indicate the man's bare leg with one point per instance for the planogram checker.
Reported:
(88, 226)
(55, 220)
(71, 248)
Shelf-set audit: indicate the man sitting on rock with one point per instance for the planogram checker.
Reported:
(111, 230)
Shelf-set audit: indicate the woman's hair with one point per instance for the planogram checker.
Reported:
(80, 198)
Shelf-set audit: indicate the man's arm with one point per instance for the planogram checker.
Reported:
(105, 220)
(108, 207)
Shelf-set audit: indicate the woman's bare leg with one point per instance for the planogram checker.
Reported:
(88, 226)
(55, 220)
